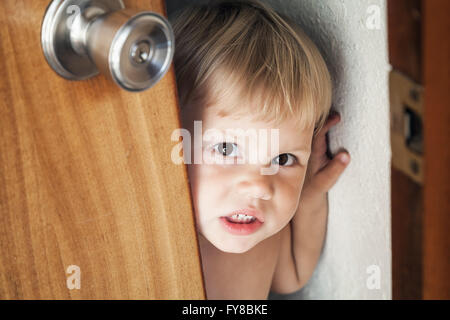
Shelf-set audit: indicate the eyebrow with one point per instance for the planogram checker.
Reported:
(302, 150)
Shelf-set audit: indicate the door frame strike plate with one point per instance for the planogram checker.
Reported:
(406, 102)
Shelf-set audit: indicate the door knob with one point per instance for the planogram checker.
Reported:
(81, 38)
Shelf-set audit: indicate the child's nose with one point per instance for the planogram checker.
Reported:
(255, 186)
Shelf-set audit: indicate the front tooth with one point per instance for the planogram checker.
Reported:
(242, 217)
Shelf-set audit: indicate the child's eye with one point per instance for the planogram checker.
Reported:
(282, 159)
(225, 149)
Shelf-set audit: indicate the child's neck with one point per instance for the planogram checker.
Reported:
(205, 246)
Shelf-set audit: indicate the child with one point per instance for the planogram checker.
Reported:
(240, 65)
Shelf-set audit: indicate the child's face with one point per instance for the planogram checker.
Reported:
(218, 189)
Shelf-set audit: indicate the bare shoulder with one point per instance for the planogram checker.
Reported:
(285, 277)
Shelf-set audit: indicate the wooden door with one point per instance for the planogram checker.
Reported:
(87, 185)
(419, 50)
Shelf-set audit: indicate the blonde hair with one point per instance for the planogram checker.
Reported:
(260, 51)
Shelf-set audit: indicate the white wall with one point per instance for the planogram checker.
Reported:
(359, 227)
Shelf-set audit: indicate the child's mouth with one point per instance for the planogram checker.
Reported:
(240, 218)
(241, 227)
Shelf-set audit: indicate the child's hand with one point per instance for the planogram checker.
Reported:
(309, 223)
(322, 172)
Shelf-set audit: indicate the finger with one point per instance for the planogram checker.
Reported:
(319, 147)
(325, 179)
(332, 120)
(319, 143)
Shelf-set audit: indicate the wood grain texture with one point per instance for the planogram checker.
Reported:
(404, 37)
(420, 47)
(407, 237)
(436, 52)
(86, 179)
(404, 25)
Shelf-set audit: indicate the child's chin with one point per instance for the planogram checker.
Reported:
(233, 247)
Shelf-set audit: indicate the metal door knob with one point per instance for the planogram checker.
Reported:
(81, 38)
